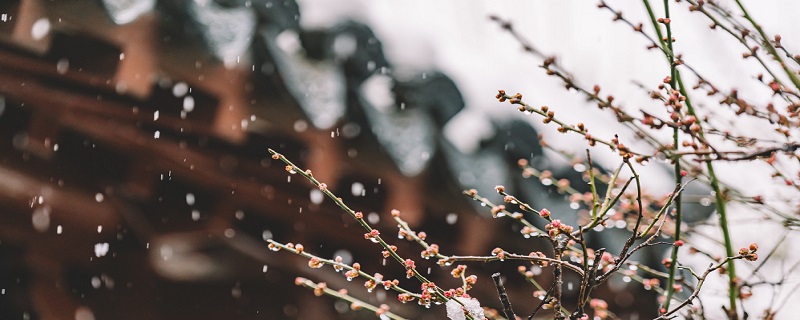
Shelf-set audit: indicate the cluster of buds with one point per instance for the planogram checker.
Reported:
(528, 172)
(544, 213)
(549, 61)
(471, 280)
(389, 284)
(606, 261)
(549, 114)
(522, 163)
(372, 235)
(402, 233)
(499, 253)
(692, 124)
(501, 95)
(538, 254)
(444, 262)
(545, 175)
(741, 105)
(618, 16)
(405, 297)
(621, 148)
(319, 290)
(516, 99)
(370, 284)
(410, 267)
(386, 253)
(338, 267)
(596, 91)
(751, 53)
(591, 140)
(651, 283)
(498, 210)
(315, 263)
(793, 109)
(699, 5)
(650, 120)
(528, 232)
(749, 253)
(690, 121)
(426, 295)
(605, 104)
(353, 273)
(431, 251)
(555, 228)
(457, 292)
(458, 271)
(382, 309)
(551, 303)
(600, 308)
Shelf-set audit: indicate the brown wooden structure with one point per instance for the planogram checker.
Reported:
(118, 203)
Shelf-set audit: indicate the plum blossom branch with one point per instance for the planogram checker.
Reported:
(352, 272)
(321, 288)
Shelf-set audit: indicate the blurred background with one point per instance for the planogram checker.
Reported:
(135, 181)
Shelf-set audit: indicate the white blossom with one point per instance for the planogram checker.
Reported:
(455, 311)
